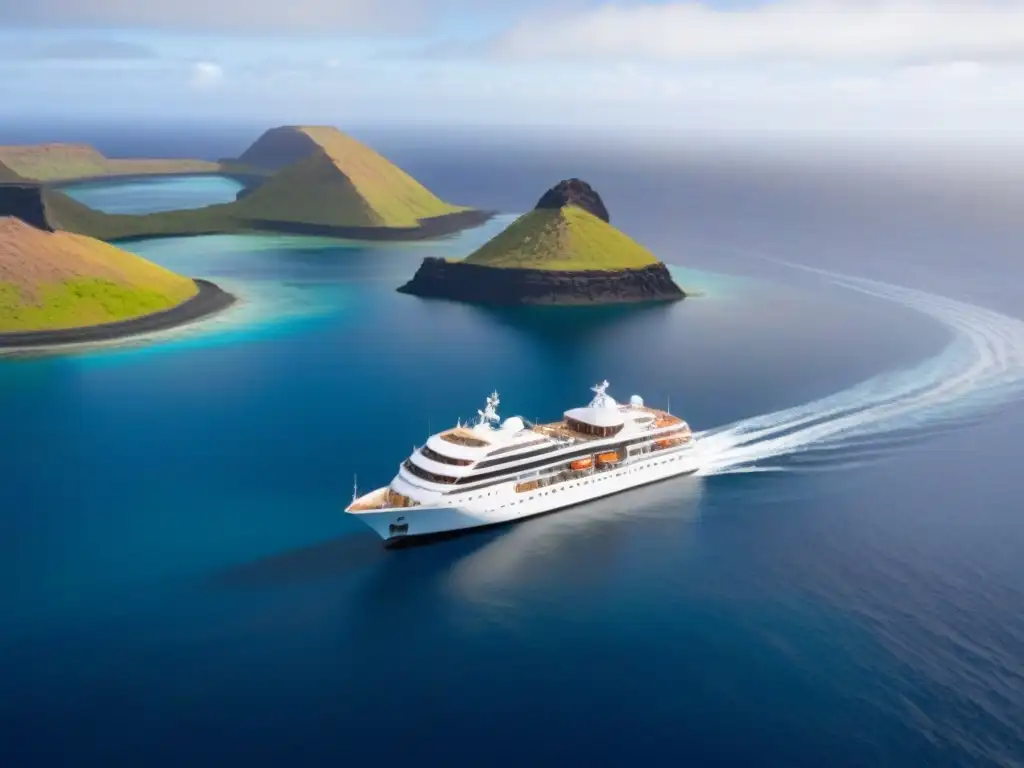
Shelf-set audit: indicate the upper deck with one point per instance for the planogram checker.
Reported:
(636, 418)
(464, 437)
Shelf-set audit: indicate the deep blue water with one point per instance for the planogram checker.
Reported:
(180, 586)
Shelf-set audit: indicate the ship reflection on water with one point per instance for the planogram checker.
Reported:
(576, 545)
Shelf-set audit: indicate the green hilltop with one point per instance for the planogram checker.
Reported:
(66, 162)
(354, 191)
(564, 251)
(565, 239)
(332, 178)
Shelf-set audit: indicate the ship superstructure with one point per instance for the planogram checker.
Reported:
(495, 471)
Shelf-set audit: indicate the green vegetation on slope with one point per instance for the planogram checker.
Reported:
(77, 303)
(68, 214)
(390, 197)
(55, 280)
(566, 238)
(396, 198)
(311, 191)
(52, 162)
(340, 183)
(303, 204)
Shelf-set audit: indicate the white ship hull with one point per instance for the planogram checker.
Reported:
(504, 504)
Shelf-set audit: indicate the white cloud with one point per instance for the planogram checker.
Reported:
(801, 65)
(807, 30)
(206, 75)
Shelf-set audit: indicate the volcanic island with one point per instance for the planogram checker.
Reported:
(62, 288)
(564, 251)
(64, 280)
(309, 180)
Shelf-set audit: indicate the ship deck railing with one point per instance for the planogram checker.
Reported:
(661, 418)
(560, 430)
(376, 500)
(382, 499)
(465, 437)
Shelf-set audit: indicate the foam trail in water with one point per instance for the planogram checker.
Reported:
(982, 367)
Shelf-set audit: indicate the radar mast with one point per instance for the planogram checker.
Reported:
(490, 412)
(601, 397)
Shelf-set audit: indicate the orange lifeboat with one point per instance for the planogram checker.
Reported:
(608, 458)
(581, 464)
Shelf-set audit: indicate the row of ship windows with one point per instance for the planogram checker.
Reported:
(583, 482)
(441, 458)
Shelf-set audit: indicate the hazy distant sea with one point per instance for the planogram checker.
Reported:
(180, 586)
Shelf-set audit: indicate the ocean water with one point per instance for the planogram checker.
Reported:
(841, 586)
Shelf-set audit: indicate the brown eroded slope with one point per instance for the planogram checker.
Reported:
(54, 280)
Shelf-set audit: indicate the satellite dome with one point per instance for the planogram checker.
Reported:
(636, 401)
(513, 424)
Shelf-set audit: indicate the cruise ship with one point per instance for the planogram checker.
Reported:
(499, 471)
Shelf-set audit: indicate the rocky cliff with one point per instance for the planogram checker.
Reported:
(495, 286)
(574, 192)
(26, 202)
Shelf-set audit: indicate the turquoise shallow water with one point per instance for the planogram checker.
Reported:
(180, 585)
(155, 194)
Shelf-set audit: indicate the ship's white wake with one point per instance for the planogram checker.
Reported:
(982, 366)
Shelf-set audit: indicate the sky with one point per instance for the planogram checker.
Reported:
(835, 67)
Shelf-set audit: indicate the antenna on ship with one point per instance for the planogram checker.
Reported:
(668, 405)
(601, 399)
(490, 412)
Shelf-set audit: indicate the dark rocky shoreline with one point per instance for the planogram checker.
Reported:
(494, 286)
(210, 300)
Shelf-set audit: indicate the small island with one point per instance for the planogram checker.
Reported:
(564, 251)
(310, 180)
(62, 288)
